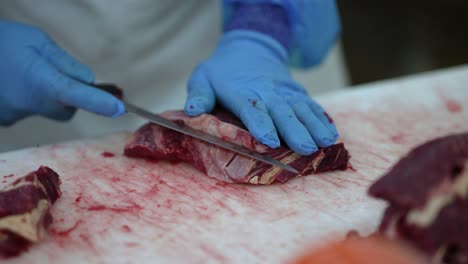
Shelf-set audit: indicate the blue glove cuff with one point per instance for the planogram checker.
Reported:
(266, 41)
(269, 19)
(314, 25)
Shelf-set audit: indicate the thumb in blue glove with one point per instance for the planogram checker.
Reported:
(38, 77)
(248, 75)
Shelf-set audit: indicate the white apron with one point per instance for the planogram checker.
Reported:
(148, 47)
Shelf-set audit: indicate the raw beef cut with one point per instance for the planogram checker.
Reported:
(428, 195)
(25, 210)
(154, 142)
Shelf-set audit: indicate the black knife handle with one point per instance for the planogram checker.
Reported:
(110, 88)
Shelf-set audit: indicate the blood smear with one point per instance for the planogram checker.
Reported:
(352, 168)
(131, 244)
(398, 139)
(106, 154)
(126, 228)
(66, 232)
(130, 209)
(330, 120)
(453, 106)
(115, 179)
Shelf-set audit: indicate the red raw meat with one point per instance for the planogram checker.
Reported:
(25, 210)
(428, 195)
(154, 142)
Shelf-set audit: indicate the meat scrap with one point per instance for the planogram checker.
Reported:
(427, 193)
(154, 142)
(25, 210)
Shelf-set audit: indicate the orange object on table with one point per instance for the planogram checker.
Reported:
(369, 250)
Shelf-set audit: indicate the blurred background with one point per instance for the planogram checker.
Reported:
(385, 39)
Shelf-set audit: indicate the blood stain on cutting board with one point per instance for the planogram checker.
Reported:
(107, 154)
(104, 199)
(380, 134)
(208, 249)
(452, 105)
(403, 128)
(351, 167)
(398, 138)
(344, 183)
(7, 178)
(64, 232)
(126, 229)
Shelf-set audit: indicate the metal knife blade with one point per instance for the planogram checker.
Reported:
(117, 92)
(205, 137)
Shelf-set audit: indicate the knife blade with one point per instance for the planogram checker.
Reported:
(198, 134)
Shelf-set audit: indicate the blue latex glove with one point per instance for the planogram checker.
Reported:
(248, 75)
(38, 77)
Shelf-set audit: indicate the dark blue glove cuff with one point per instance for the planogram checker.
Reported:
(268, 19)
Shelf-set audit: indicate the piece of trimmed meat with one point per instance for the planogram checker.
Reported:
(427, 193)
(25, 210)
(154, 142)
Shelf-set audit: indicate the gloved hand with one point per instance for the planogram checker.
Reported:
(38, 77)
(248, 75)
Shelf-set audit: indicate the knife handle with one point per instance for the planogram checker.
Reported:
(110, 88)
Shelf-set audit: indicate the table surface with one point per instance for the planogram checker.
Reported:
(123, 210)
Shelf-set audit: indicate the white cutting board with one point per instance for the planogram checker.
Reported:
(122, 210)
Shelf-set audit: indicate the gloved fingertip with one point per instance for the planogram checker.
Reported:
(335, 134)
(327, 141)
(271, 140)
(119, 109)
(196, 106)
(307, 148)
(192, 109)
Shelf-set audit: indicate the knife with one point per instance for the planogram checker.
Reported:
(164, 122)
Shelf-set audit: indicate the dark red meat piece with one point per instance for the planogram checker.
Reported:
(155, 142)
(25, 210)
(410, 182)
(449, 229)
(427, 193)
